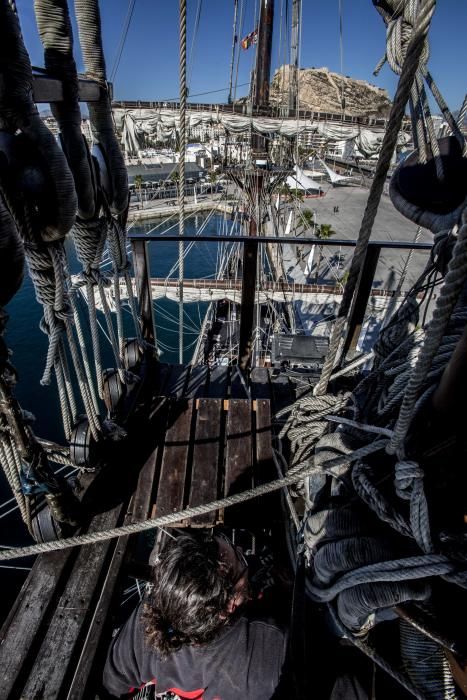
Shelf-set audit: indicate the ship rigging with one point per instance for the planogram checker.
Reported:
(356, 456)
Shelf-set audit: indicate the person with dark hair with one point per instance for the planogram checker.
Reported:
(196, 635)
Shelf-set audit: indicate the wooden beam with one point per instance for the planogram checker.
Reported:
(27, 620)
(64, 634)
(205, 464)
(171, 492)
(45, 89)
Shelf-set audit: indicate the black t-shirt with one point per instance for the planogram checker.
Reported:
(243, 662)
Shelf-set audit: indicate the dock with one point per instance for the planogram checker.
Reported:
(169, 209)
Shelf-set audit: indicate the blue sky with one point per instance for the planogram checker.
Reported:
(149, 64)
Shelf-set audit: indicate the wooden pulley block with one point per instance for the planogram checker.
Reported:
(417, 193)
(114, 390)
(44, 527)
(84, 450)
(87, 197)
(102, 172)
(132, 354)
(11, 256)
(26, 173)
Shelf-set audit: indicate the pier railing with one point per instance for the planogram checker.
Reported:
(366, 286)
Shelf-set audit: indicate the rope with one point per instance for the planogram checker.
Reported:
(65, 369)
(20, 113)
(448, 296)
(62, 397)
(462, 114)
(123, 36)
(45, 265)
(307, 422)
(96, 348)
(53, 22)
(91, 414)
(9, 464)
(409, 69)
(368, 650)
(181, 173)
(100, 112)
(150, 524)
(405, 569)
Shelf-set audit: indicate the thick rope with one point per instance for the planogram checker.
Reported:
(411, 63)
(445, 303)
(19, 112)
(100, 113)
(462, 113)
(405, 569)
(65, 368)
(84, 353)
(91, 414)
(434, 679)
(10, 460)
(163, 521)
(96, 347)
(53, 22)
(181, 174)
(63, 400)
(307, 422)
(48, 277)
(368, 650)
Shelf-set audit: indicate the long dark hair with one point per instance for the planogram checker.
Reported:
(188, 601)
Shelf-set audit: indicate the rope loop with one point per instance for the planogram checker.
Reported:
(405, 474)
(89, 238)
(399, 33)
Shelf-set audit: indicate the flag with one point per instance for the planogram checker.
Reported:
(251, 38)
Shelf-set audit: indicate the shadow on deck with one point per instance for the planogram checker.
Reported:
(196, 436)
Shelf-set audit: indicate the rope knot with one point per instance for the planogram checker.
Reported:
(124, 267)
(405, 474)
(398, 36)
(409, 486)
(64, 312)
(95, 276)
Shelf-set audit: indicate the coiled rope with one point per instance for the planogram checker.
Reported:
(453, 284)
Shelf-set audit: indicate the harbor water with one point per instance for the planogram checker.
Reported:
(29, 347)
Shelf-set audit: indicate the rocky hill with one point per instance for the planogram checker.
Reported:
(321, 90)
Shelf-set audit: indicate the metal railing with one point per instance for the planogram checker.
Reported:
(365, 288)
(245, 109)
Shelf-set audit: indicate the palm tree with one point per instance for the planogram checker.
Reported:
(138, 185)
(296, 194)
(307, 218)
(291, 193)
(175, 178)
(324, 233)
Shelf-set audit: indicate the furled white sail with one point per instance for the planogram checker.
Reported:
(162, 124)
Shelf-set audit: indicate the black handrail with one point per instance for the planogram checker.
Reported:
(238, 238)
(140, 243)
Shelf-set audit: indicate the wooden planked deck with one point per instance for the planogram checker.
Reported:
(208, 433)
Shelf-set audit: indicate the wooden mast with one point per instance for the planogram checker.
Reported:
(260, 98)
(293, 68)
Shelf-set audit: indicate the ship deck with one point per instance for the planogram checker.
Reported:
(200, 434)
